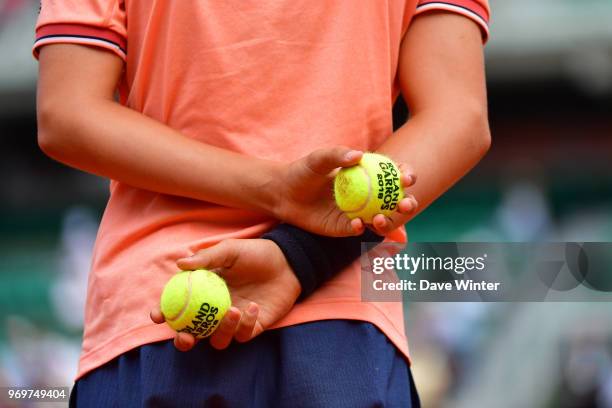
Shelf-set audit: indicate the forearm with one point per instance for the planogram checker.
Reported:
(441, 147)
(442, 78)
(116, 142)
(80, 124)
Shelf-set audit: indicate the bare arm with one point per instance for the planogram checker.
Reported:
(80, 124)
(441, 72)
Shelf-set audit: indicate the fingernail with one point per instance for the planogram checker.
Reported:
(252, 309)
(351, 155)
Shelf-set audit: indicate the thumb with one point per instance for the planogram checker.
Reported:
(221, 255)
(323, 161)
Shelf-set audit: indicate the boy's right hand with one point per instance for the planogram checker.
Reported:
(262, 285)
(304, 195)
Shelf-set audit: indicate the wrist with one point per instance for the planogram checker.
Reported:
(286, 272)
(260, 189)
(300, 252)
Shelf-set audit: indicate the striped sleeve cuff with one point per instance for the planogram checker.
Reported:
(468, 8)
(80, 34)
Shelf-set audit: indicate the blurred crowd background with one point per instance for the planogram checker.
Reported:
(547, 178)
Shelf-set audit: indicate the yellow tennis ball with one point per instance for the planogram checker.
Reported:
(371, 187)
(195, 302)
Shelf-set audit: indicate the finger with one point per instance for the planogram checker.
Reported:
(184, 341)
(382, 225)
(157, 316)
(222, 337)
(222, 255)
(257, 330)
(385, 224)
(244, 332)
(408, 180)
(323, 161)
(340, 225)
(408, 177)
(379, 223)
(357, 226)
(407, 205)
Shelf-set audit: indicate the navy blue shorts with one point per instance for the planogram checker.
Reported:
(330, 363)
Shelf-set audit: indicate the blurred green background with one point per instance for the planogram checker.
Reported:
(547, 178)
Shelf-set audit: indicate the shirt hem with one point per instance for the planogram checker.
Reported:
(343, 310)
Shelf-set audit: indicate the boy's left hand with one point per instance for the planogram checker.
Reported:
(304, 190)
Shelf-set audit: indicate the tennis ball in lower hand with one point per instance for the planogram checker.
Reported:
(371, 187)
(195, 302)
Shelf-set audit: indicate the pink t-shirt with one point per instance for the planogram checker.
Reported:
(273, 79)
